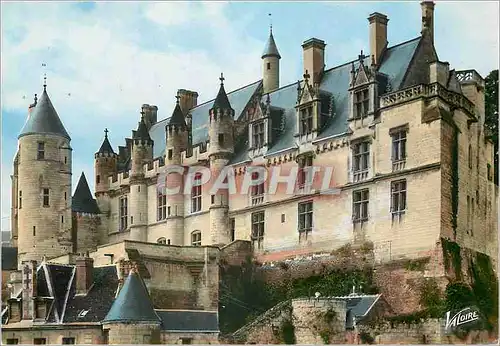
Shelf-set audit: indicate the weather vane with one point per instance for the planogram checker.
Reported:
(270, 22)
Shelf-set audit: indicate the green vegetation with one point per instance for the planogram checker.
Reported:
(491, 113)
(288, 333)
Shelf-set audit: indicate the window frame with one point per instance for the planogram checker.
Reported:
(161, 206)
(306, 121)
(257, 191)
(40, 151)
(258, 221)
(196, 194)
(361, 104)
(399, 196)
(258, 134)
(45, 197)
(162, 241)
(305, 219)
(123, 213)
(303, 174)
(196, 238)
(360, 205)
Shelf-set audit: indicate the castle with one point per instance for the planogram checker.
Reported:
(404, 133)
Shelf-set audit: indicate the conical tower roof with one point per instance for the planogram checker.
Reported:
(221, 101)
(142, 130)
(177, 117)
(133, 303)
(44, 119)
(83, 201)
(106, 146)
(270, 48)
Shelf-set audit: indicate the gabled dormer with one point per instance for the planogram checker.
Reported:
(363, 93)
(308, 110)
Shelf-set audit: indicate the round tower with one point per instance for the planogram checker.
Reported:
(44, 180)
(176, 140)
(270, 65)
(221, 137)
(142, 153)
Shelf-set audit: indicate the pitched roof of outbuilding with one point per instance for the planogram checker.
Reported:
(83, 201)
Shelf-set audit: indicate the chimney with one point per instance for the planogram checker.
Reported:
(29, 289)
(428, 19)
(314, 58)
(187, 100)
(439, 72)
(150, 114)
(84, 274)
(378, 35)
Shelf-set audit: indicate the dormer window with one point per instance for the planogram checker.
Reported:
(361, 102)
(258, 134)
(306, 121)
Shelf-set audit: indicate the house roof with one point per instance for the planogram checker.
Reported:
(106, 146)
(83, 201)
(43, 119)
(189, 320)
(221, 100)
(9, 257)
(358, 306)
(177, 117)
(133, 303)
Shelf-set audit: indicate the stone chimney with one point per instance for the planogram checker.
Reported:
(29, 289)
(439, 72)
(314, 58)
(428, 19)
(150, 114)
(187, 100)
(84, 274)
(378, 35)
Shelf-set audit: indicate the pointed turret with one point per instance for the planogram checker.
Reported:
(270, 65)
(44, 118)
(221, 101)
(133, 303)
(83, 201)
(142, 132)
(177, 117)
(106, 147)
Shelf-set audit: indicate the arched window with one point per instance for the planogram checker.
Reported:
(162, 241)
(196, 238)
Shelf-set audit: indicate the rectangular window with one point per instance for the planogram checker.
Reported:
(162, 206)
(45, 197)
(65, 195)
(258, 230)
(398, 196)
(258, 134)
(304, 173)
(98, 179)
(123, 213)
(360, 205)
(170, 154)
(361, 101)
(12, 341)
(268, 65)
(41, 151)
(305, 220)
(196, 238)
(39, 341)
(306, 121)
(68, 341)
(196, 194)
(221, 139)
(361, 159)
(20, 199)
(65, 160)
(62, 218)
(34, 231)
(257, 190)
(398, 148)
(233, 229)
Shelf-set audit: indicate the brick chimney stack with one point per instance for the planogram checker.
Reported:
(314, 58)
(29, 289)
(378, 35)
(84, 274)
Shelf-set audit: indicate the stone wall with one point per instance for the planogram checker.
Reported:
(81, 334)
(194, 338)
(132, 333)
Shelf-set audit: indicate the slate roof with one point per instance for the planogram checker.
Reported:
(177, 117)
(221, 101)
(94, 306)
(133, 303)
(106, 146)
(358, 306)
(270, 48)
(9, 257)
(43, 119)
(83, 201)
(186, 321)
(142, 131)
(200, 115)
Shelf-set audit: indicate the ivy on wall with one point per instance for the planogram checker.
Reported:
(454, 183)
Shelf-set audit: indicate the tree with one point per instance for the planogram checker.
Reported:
(491, 116)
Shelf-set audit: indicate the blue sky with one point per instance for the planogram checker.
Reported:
(104, 59)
